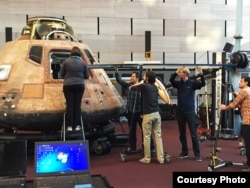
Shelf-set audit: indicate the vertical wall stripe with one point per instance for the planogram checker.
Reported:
(163, 58)
(98, 25)
(195, 28)
(148, 44)
(8, 34)
(208, 57)
(131, 26)
(225, 25)
(214, 58)
(194, 57)
(131, 32)
(27, 17)
(163, 27)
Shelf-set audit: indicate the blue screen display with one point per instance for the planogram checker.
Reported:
(61, 157)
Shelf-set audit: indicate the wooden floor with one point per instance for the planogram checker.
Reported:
(134, 174)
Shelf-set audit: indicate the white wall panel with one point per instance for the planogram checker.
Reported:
(2, 39)
(100, 8)
(114, 58)
(167, 11)
(65, 8)
(196, 44)
(203, 44)
(179, 58)
(83, 25)
(195, 12)
(178, 42)
(98, 12)
(130, 9)
(157, 57)
(92, 40)
(234, 3)
(26, 7)
(165, 44)
(16, 21)
(142, 25)
(115, 26)
(231, 28)
(122, 26)
(226, 12)
(98, 3)
(148, 2)
(130, 43)
(179, 27)
(107, 26)
(211, 2)
(100, 42)
(214, 29)
(4, 7)
(179, 1)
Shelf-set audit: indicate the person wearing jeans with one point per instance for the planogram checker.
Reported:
(74, 70)
(186, 108)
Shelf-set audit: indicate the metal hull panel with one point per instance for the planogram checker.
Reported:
(31, 98)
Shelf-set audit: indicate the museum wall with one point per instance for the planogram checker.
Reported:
(182, 31)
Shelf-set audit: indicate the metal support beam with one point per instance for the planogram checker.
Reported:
(238, 35)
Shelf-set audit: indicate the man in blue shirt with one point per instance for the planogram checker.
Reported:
(186, 108)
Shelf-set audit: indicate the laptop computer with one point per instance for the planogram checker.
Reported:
(13, 161)
(63, 164)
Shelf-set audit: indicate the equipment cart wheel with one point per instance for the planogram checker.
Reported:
(123, 156)
(210, 168)
(167, 158)
(242, 151)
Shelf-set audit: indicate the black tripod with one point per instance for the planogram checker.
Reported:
(215, 161)
(124, 154)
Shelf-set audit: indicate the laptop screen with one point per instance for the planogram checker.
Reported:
(61, 157)
(13, 158)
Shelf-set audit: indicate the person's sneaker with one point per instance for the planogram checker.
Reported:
(246, 169)
(240, 144)
(78, 128)
(143, 160)
(182, 156)
(69, 128)
(161, 162)
(198, 158)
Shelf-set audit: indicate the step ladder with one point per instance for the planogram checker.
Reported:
(63, 131)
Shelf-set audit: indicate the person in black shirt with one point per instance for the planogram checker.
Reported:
(186, 108)
(151, 117)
